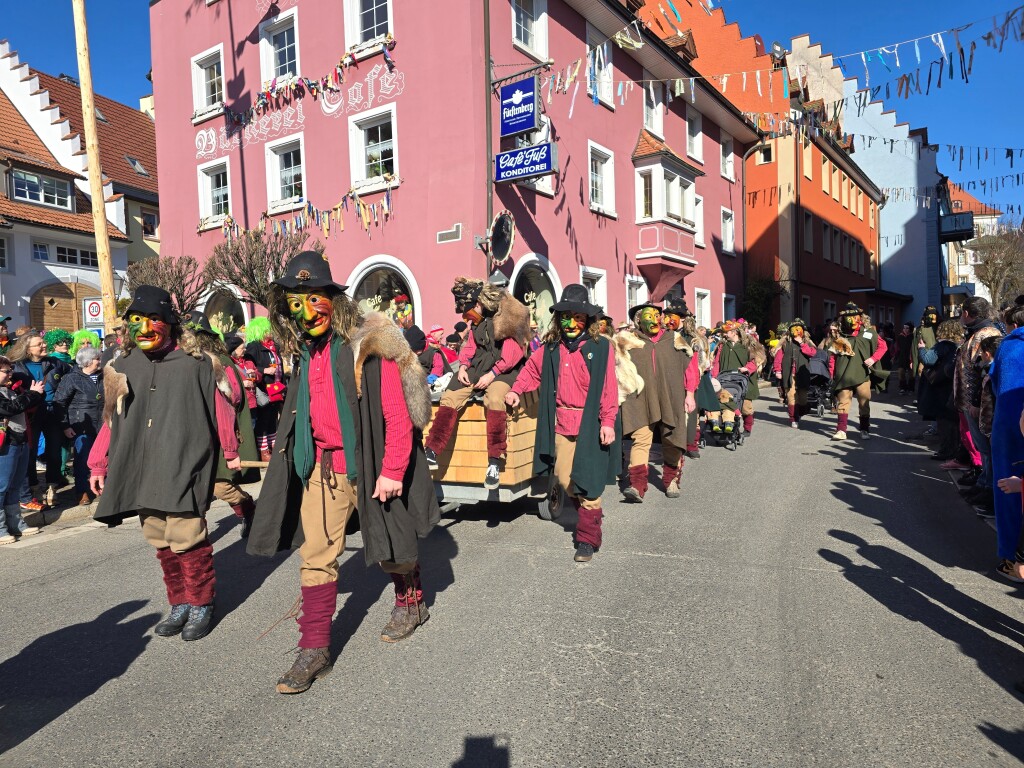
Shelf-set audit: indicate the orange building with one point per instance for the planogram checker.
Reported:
(812, 224)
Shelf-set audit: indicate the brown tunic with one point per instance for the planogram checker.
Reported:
(662, 366)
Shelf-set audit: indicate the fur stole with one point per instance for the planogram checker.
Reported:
(219, 376)
(379, 337)
(679, 343)
(841, 346)
(115, 390)
(626, 374)
(512, 320)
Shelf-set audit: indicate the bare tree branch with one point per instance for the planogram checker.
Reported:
(1000, 266)
(250, 261)
(180, 276)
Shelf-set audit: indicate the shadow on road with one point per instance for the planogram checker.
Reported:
(55, 672)
(485, 752)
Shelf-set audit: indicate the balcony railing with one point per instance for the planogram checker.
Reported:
(955, 227)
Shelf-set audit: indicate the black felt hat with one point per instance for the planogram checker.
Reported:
(151, 300)
(676, 307)
(307, 271)
(200, 323)
(576, 299)
(851, 310)
(417, 338)
(233, 341)
(638, 307)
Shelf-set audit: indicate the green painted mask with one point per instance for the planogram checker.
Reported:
(649, 321)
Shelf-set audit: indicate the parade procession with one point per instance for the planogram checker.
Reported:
(667, 385)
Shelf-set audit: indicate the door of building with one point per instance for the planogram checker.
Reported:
(59, 305)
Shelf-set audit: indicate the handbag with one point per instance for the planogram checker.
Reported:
(275, 392)
(262, 398)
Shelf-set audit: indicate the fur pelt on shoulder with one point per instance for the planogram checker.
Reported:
(220, 377)
(512, 320)
(703, 351)
(491, 296)
(626, 374)
(755, 350)
(680, 343)
(379, 337)
(115, 390)
(841, 346)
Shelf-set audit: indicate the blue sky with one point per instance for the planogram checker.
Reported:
(979, 113)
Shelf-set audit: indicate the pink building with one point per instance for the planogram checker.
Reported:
(397, 143)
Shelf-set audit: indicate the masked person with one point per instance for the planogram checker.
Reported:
(231, 387)
(737, 352)
(854, 353)
(606, 326)
(160, 405)
(790, 368)
(490, 360)
(666, 364)
(578, 433)
(349, 439)
(924, 338)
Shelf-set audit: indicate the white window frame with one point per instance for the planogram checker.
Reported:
(201, 109)
(654, 105)
(860, 204)
(5, 262)
(272, 154)
(41, 181)
(604, 76)
(808, 232)
(826, 174)
(357, 125)
(142, 220)
(267, 30)
(542, 184)
(600, 278)
(632, 281)
(765, 155)
(78, 263)
(726, 298)
(45, 247)
(698, 220)
(694, 143)
(539, 50)
(605, 207)
(727, 152)
(361, 49)
(640, 175)
(669, 181)
(702, 305)
(871, 215)
(204, 171)
(730, 250)
(835, 182)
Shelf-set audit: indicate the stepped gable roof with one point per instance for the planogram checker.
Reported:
(683, 44)
(649, 145)
(20, 145)
(969, 202)
(124, 132)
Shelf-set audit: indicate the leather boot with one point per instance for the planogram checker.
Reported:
(265, 454)
(670, 479)
(441, 429)
(637, 487)
(244, 512)
(200, 585)
(175, 583)
(311, 664)
(409, 612)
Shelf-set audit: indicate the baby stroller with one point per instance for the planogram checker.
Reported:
(731, 434)
(819, 390)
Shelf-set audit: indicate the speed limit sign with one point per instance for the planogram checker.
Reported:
(92, 311)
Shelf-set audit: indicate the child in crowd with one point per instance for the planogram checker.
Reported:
(723, 420)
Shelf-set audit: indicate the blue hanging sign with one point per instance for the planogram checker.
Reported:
(520, 107)
(526, 162)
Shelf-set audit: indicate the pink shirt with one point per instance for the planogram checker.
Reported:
(511, 354)
(808, 349)
(326, 423)
(573, 383)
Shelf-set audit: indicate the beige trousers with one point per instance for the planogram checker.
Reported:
(229, 492)
(794, 396)
(324, 513)
(494, 396)
(863, 394)
(179, 532)
(565, 452)
(640, 452)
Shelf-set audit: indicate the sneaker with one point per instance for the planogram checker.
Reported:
(865, 435)
(794, 425)
(716, 427)
(493, 477)
(954, 464)
(50, 497)
(7, 539)
(28, 530)
(584, 552)
(431, 458)
(839, 435)
(1008, 570)
(35, 505)
(727, 429)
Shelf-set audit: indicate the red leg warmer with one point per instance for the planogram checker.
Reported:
(638, 478)
(405, 585)
(842, 422)
(588, 526)
(792, 413)
(669, 473)
(442, 428)
(497, 434)
(318, 605)
(748, 423)
(197, 569)
(173, 578)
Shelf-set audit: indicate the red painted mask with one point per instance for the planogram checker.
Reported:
(473, 315)
(311, 313)
(671, 322)
(572, 324)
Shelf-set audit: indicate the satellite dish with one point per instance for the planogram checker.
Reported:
(502, 235)
(778, 51)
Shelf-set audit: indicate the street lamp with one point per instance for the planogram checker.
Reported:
(118, 285)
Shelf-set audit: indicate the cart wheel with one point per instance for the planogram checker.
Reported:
(542, 511)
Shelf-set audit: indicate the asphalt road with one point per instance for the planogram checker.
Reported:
(804, 603)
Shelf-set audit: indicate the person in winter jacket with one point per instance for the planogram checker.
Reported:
(262, 350)
(80, 397)
(14, 450)
(903, 358)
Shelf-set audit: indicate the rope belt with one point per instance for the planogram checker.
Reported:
(328, 482)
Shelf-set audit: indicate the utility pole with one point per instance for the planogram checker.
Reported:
(92, 148)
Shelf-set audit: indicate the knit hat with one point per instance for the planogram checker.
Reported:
(416, 338)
